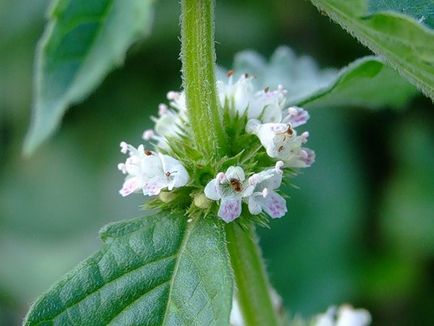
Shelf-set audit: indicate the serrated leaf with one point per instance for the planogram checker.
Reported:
(406, 44)
(156, 270)
(366, 82)
(82, 42)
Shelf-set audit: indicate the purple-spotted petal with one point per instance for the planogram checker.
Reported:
(130, 185)
(296, 116)
(274, 205)
(230, 209)
(153, 186)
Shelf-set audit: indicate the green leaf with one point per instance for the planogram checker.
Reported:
(406, 44)
(82, 42)
(422, 10)
(366, 82)
(156, 270)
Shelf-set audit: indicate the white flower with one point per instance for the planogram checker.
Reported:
(177, 101)
(150, 172)
(236, 95)
(345, 316)
(280, 141)
(264, 198)
(265, 105)
(229, 188)
(169, 121)
(236, 317)
(296, 116)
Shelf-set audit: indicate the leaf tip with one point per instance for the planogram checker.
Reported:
(35, 137)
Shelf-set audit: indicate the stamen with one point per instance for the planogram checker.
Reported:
(124, 147)
(236, 185)
(289, 131)
(172, 96)
(148, 134)
(162, 109)
(122, 167)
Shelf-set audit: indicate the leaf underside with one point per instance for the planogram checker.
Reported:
(405, 43)
(156, 270)
(82, 42)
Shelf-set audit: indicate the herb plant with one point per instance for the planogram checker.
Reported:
(211, 169)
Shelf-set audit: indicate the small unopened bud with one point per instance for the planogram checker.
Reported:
(201, 201)
(167, 197)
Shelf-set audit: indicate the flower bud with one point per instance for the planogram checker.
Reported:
(201, 201)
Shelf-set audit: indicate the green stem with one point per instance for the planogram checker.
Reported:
(198, 68)
(252, 286)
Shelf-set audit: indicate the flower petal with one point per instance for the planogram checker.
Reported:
(270, 179)
(354, 317)
(130, 185)
(153, 186)
(174, 171)
(296, 116)
(254, 207)
(230, 209)
(248, 191)
(235, 172)
(272, 113)
(211, 190)
(274, 205)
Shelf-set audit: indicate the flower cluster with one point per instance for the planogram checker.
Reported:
(150, 172)
(253, 177)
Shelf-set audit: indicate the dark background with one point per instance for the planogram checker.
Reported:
(360, 228)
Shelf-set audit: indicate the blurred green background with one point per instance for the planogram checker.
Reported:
(360, 229)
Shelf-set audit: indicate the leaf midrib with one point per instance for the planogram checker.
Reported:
(188, 231)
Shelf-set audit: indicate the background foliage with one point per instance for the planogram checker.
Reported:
(359, 230)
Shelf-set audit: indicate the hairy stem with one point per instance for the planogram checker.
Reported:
(198, 68)
(252, 286)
